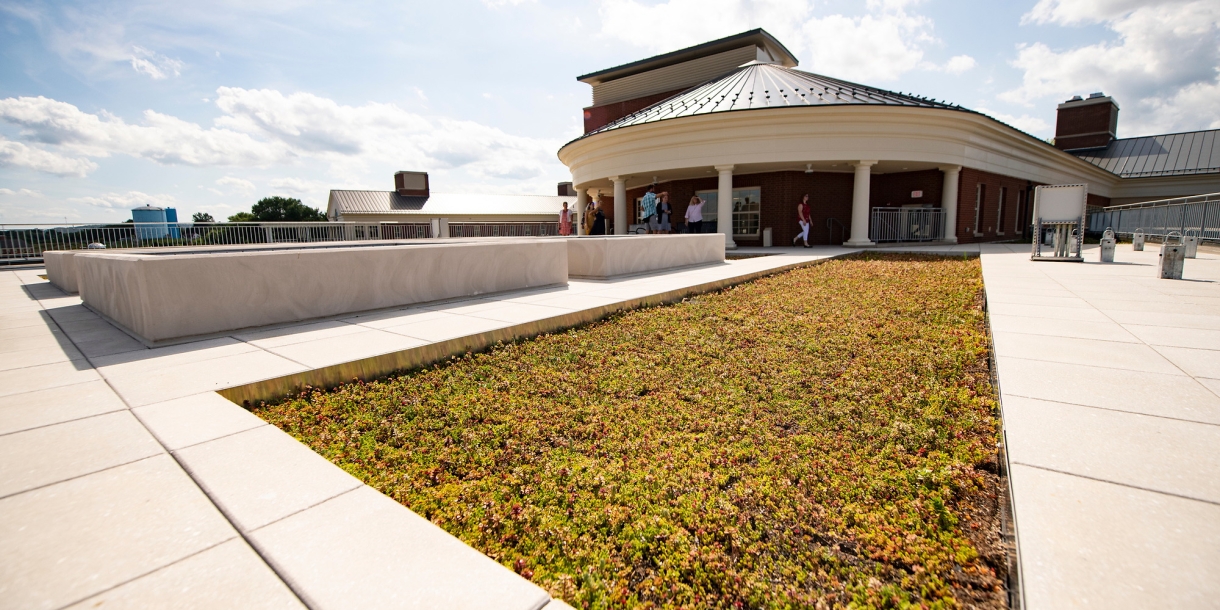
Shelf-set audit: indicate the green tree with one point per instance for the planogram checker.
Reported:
(202, 217)
(285, 209)
(242, 217)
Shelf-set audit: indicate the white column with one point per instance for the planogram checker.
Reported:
(859, 205)
(724, 205)
(620, 205)
(578, 219)
(948, 201)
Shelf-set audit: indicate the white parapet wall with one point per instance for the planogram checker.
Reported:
(169, 295)
(608, 256)
(61, 268)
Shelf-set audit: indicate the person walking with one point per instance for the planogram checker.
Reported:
(565, 220)
(664, 211)
(694, 214)
(648, 205)
(805, 219)
(590, 212)
(599, 221)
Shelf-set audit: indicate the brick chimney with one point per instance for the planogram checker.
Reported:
(1086, 123)
(411, 184)
(565, 189)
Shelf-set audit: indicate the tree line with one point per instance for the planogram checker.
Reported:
(271, 209)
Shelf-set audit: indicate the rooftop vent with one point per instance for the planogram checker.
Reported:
(411, 184)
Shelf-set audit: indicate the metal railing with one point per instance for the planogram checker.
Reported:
(1198, 215)
(831, 225)
(907, 224)
(503, 229)
(21, 243)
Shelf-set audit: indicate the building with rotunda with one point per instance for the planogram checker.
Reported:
(734, 122)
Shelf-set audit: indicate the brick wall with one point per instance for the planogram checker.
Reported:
(1017, 211)
(599, 116)
(1098, 119)
(894, 190)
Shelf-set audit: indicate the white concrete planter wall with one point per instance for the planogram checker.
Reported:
(603, 257)
(167, 295)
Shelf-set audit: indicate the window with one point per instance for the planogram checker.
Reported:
(999, 224)
(980, 191)
(747, 208)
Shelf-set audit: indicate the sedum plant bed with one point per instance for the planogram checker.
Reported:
(825, 437)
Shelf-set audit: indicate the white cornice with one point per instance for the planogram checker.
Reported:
(838, 133)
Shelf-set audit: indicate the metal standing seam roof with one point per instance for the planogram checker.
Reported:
(1172, 154)
(390, 202)
(761, 85)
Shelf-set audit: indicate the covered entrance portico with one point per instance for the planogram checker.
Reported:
(755, 197)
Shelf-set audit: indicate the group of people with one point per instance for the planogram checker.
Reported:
(657, 212)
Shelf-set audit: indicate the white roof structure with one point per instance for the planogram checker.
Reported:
(390, 203)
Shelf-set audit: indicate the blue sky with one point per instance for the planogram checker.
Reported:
(209, 106)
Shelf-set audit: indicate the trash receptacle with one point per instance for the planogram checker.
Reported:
(1191, 243)
(767, 237)
(1107, 246)
(1173, 257)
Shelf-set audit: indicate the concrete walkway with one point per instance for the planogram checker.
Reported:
(1109, 380)
(125, 479)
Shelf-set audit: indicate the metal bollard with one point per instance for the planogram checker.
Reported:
(1191, 242)
(1172, 258)
(1137, 241)
(1107, 246)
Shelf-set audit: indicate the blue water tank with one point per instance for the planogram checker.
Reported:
(171, 217)
(150, 223)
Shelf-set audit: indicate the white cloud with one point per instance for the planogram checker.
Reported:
(266, 127)
(1073, 12)
(157, 66)
(1161, 69)
(959, 64)
(239, 185)
(877, 47)
(16, 154)
(674, 24)
(880, 45)
(297, 186)
(161, 138)
(126, 201)
(20, 193)
(1025, 122)
(504, 3)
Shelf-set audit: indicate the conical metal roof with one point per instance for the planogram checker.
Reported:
(761, 85)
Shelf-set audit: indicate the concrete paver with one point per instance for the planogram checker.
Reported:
(55, 405)
(262, 475)
(69, 541)
(1091, 544)
(195, 419)
(338, 555)
(46, 455)
(193, 582)
(1153, 453)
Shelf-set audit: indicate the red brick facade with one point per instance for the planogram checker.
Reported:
(1017, 206)
(599, 116)
(1088, 125)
